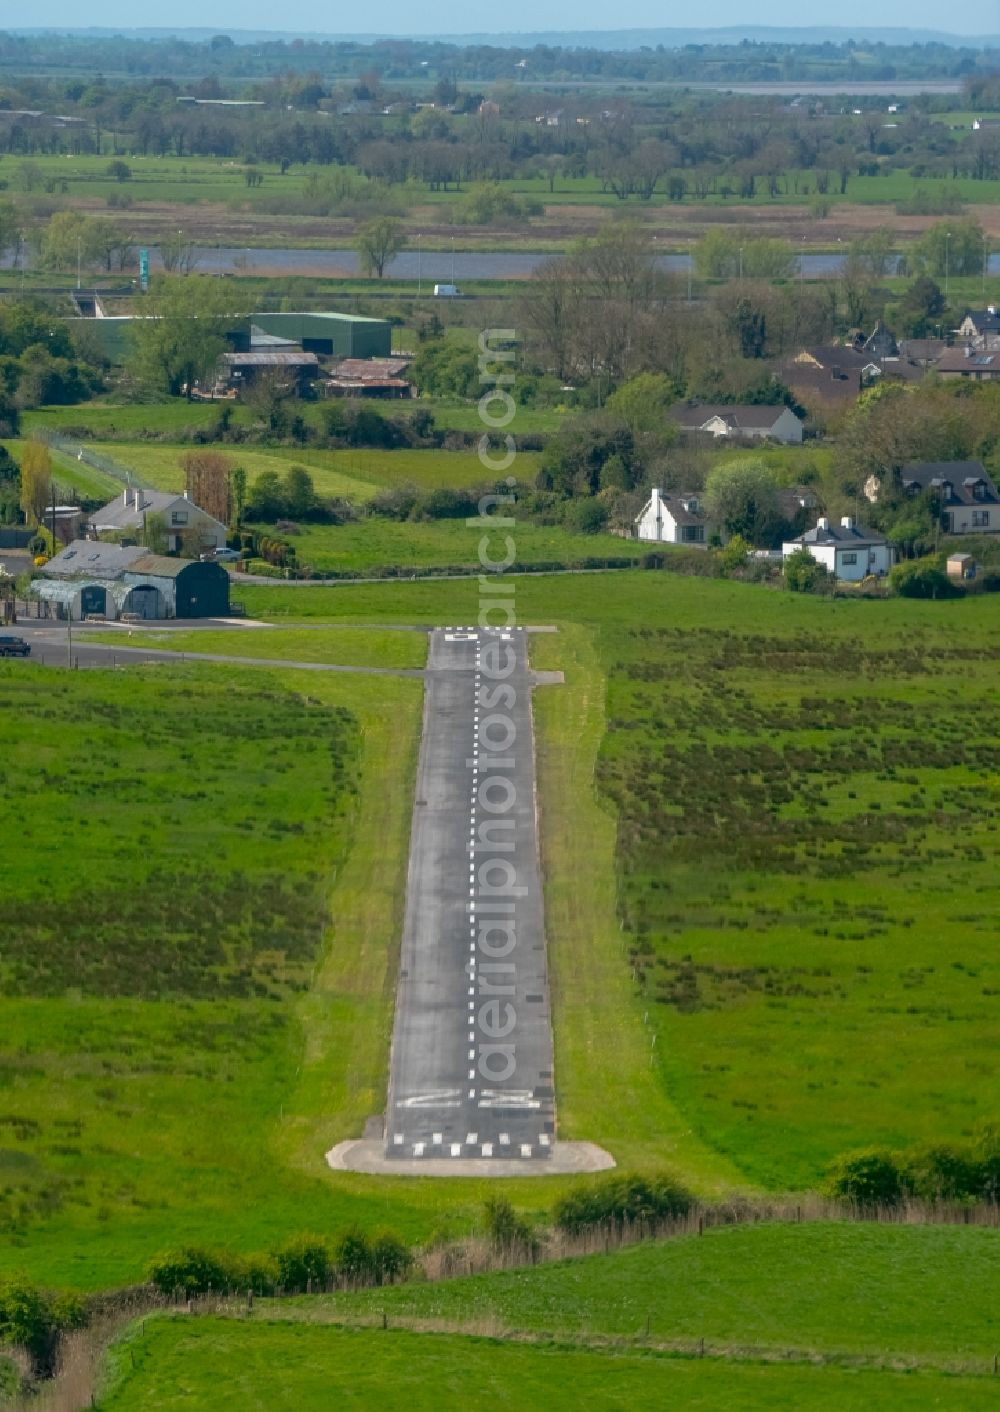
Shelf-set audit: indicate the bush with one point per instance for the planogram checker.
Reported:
(941, 1173)
(803, 573)
(586, 516)
(193, 1270)
(622, 1200)
(871, 1178)
(303, 1263)
(507, 1230)
(390, 1258)
(922, 578)
(34, 1319)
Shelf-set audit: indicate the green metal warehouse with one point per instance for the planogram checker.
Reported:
(331, 335)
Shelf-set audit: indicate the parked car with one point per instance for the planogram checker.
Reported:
(14, 647)
(223, 556)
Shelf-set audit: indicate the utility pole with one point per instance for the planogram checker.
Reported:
(690, 270)
(419, 268)
(947, 261)
(79, 258)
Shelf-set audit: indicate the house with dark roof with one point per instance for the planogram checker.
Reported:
(981, 328)
(848, 551)
(186, 523)
(831, 374)
(93, 580)
(969, 362)
(750, 423)
(677, 518)
(965, 492)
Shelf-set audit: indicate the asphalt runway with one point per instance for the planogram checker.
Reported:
(471, 1068)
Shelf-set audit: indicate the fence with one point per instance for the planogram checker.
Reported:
(78, 451)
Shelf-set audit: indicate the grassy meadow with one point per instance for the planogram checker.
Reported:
(763, 757)
(156, 1083)
(180, 1363)
(885, 1292)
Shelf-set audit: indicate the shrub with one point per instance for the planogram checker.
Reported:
(871, 1178)
(353, 1256)
(922, 578)
(586, 516)
(193, 1270)
(507, 1230)
(390, 1258)
(34, 1319)
(803, 573)
(302, 1263)
(941, 1173)
(621, 1200)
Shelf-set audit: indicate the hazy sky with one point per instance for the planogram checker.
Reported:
(442, 17)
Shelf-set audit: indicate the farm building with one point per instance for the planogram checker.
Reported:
(292, 366)
(331, 335)
(672, 519)
(369, 377)
(182, 518)
(113, 581)
(847, 551)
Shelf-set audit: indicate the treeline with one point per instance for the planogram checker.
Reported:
(683, 146)
(230, 60)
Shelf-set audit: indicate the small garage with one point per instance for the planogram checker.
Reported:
(191, 588)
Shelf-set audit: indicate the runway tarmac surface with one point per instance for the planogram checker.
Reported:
(471, 1073)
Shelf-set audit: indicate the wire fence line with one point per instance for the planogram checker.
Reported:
(87, 456)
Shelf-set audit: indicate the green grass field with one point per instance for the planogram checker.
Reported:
(339, 646)
(354, 474)
(375, 544)
(883, 1292)
(766, 753)
(173, 1064)
(179, 1363)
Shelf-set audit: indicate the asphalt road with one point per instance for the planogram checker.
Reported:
(471, 1068)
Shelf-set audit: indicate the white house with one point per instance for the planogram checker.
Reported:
(184, 520)
(847, 551)
(673, 519)
(777, 423)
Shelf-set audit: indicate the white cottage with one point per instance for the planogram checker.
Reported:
(673, 519)
(847, 550)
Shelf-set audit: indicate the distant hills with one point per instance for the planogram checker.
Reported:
(617, 39)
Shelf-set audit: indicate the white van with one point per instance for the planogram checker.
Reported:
(447, 291)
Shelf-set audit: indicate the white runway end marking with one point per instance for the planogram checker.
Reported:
(487, 1149)
(472, 1054)
(471, 1139)
(544, 1139)
(436, 1139)
(456, 1149)
(397, 1139)
(525, 1149)
(505, 1139)
(418, 1149)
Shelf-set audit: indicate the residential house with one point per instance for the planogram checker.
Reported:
(966, 493)
(90, 580)
(186, 524)
(980, 328)
(969, 362)
(677, 518)
(848, 551)
(831, 375)
(750, 423)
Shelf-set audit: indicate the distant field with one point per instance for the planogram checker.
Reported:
(375, 544)
(182, 1363)
(357, 475)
